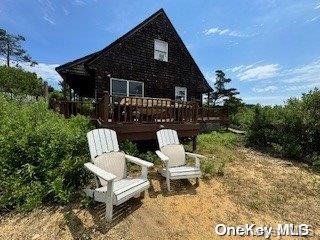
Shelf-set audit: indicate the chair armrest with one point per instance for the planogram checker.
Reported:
(138, 161)
(194, 155)
(100, 172)
(163, 157)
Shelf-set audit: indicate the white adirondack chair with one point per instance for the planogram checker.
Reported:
(113, 187)
(173, 155)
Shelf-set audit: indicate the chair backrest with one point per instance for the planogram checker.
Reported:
(104, 151)
(170, 146)
(167, 137)
(102, 141)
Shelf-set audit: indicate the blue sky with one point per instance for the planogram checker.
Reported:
(269, 48)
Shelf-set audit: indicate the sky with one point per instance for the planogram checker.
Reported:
(269, 48)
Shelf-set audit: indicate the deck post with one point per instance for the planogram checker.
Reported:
(104, 110)
(194, 143)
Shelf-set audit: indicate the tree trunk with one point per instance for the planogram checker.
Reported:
(8, 54)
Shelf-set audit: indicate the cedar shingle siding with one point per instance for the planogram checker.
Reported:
(132, 58)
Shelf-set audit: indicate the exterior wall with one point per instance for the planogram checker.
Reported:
(133, 59)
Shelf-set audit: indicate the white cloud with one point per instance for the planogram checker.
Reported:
(265, 100)
(46, 71)
(317, 7)
(66, 12)
(253, 72)
(210, 76)
(218, 31)
(48, 11)
(79, 2)
(313, 19)
(49, 20)
(265, 89)
(309, 73)
(301, 87)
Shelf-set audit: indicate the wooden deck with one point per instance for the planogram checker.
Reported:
(137, 118)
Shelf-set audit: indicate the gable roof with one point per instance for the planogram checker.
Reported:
(94, 56)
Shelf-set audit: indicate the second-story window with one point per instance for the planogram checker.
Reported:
(160, 50)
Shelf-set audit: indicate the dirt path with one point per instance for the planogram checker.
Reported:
(254, 189)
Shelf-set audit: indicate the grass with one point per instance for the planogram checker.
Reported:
(219, 149)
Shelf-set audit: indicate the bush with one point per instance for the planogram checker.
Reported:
(211, 141)
(292, 130)
(150, 157)
(212, 167)
(129, 148)
(41, 155)
(242, 118)
(20, 82)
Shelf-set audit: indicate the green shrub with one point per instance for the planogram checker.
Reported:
(291, 130)
(212, 167)
(316, 163)
(207, 169)
(150, 157)
(208, 142)
(41, 155)
(242, 118)
(129, 148)
(20, 82)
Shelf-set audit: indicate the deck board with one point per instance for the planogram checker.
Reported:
(141, 131)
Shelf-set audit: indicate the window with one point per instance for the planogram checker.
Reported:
(121, 87)
(160, 50)
(181, 93)
(135, 89)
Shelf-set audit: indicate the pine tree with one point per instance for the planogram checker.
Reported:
(11, 49)
(222, 93)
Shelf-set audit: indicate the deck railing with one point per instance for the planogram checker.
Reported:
(66, 108)
(122, 109)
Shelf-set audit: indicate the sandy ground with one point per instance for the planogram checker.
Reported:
(254, 189)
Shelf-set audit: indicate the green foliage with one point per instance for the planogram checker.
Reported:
(129, 148)
(150, 157)
(207, 169)
(208, 142)
(242, 118)
(316, 163)
(19, 82)
(227, 95)
(212, 167)
(57, 95)
(41, 155)
(10, 47)
(291, 130)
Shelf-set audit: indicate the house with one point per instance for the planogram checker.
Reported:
(143, 81)
(150, 60)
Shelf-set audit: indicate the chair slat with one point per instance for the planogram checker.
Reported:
(167, 137)
(102, 141)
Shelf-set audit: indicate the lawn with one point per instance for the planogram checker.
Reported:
(241, 186)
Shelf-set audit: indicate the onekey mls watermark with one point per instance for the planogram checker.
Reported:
(250, 230)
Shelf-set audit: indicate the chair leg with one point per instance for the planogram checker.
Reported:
(168, 183)
(109, 210)
(197, 181)
(109, 201)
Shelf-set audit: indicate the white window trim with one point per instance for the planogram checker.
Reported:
(125, 80)
(166, 53)
(184, 88)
